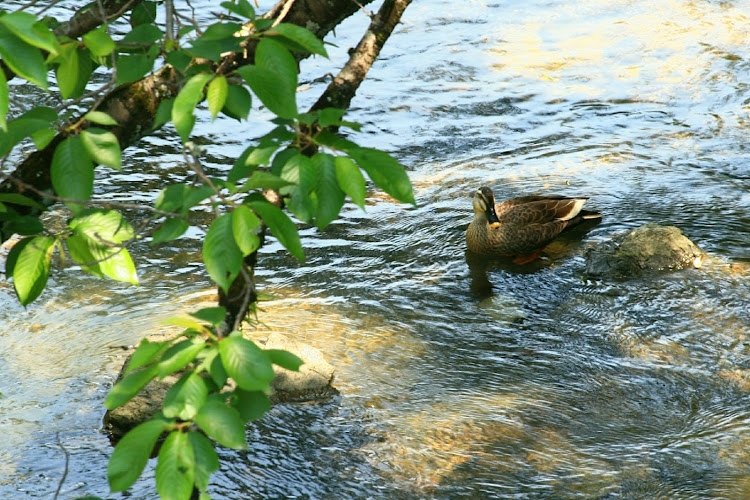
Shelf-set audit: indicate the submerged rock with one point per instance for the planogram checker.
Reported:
(651, 247)
(311, 383)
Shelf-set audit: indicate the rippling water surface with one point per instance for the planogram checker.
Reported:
(458, 380)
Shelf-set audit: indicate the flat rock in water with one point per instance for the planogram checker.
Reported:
(311, 383)
(651, 247)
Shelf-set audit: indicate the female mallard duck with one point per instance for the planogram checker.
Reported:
(521, 227)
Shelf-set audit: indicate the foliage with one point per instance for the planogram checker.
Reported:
(201, 404)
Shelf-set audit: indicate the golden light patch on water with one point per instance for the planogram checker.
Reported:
(651, 46)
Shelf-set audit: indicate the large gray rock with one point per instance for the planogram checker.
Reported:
(312, 382)
(651, 247)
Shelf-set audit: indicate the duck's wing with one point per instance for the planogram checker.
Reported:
(538, 209)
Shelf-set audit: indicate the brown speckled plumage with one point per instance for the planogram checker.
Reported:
(521, 227)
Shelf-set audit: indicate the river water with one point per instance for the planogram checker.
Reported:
(479, 382)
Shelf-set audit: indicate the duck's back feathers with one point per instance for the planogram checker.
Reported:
(522, 226)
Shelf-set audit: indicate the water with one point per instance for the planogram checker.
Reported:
(457, 381)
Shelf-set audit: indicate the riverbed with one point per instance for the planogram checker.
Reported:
(456, 380)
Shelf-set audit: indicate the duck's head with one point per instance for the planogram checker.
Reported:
(484, 202)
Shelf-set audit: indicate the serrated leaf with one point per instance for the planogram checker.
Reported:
(175, 469)
(125, 389)
(170, 229)
(284, 359)
(72, 172)
(26, 27)
(184, 104)
(211, 315)
(132, 67)
(271, 56)
(206, 459)
(271, 89)
(96, 244)
(131, 454)
(18, 199)
(330, 195)
(184, 399)
(99, 43)
(180, 355)
(216, 95)
(25, 61)
(67, 70)
(146, 353)
(103, 147)
(29, 263)
(222, 424)
(387, 173)
(143, 13)
(264, 180)
(281, 226)
(301, 36)
(350, 180)
(238, 102)
(222, 256)
(241, 8)
(246, 363)
(251, 404)
(100, 118)
(244, 228)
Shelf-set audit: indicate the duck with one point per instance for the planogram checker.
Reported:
(521, 227)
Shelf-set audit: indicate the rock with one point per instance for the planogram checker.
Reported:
(311, 383)
(651, 247)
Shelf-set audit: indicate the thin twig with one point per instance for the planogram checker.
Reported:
(65, 470)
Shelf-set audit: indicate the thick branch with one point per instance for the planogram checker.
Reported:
(341, 90)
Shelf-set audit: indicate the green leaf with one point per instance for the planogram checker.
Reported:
(172, 198)
(184, 399)
(251, 404)
(196, 195)
(96, 244)
(351, 180)
(271, 56)
(4, 102)
(143, 13)
(238, 102)
(125, 389)
(143, 34)
(67, 70)
(206, 459)
(216, 95)
(212, 315)
(179, 355)
(131, 454)
(163, 113)
(99, 42)
(271, 90)
(132, 67)
(385, 172)
(26, 27)
(244, 227)
(145, 354)
(264, 180)
(222, 424)
(85, 70)
(170, 229)
(222, 256)
(100, 118)
(241, 8)
(175, 469)
(185, 102)
(185, 322)
(281, 226)
(28, 263)
(301, 36)
(43, 137)
(72, 172)
(25, 61)
(284, 359)
(246, 363)
(18, 199)
(330, 195)
(103, 147)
